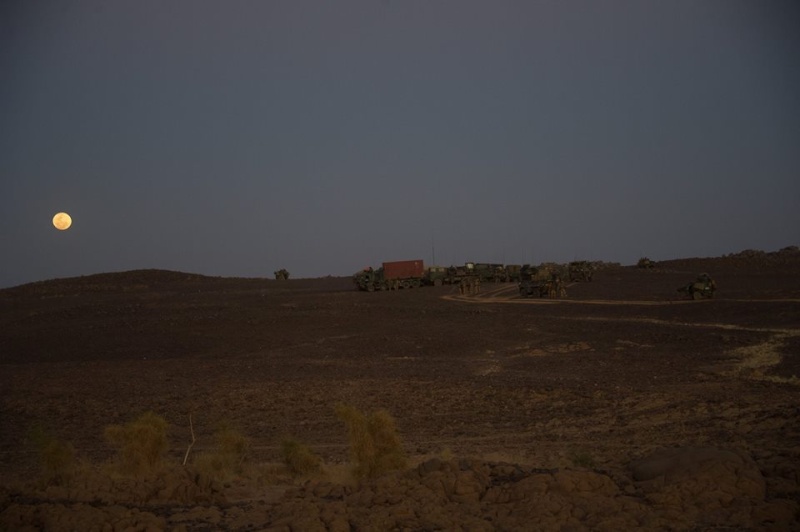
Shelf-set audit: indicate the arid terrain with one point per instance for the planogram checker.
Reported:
(619, 407)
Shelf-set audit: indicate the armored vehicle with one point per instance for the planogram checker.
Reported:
(644, 262)
(703, 288)
(281, 275)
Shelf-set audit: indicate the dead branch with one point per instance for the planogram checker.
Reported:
(191, 428)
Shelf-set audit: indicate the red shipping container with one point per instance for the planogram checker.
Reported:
(403, 269)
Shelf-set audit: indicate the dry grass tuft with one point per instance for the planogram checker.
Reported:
(582, 458)
(56, 458)
(141, 444)
(299, 458)
(227, 458)
(375, 446)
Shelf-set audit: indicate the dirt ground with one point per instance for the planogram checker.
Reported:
(618, 407)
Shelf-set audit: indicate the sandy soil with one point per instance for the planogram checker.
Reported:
(619, 407)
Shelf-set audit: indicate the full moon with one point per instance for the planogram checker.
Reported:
(62, 221)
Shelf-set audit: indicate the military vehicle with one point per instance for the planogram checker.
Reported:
(580, 271)
(281, 275)
(435, 276)
(703, 288)
(533, 288)
(644, 262)
(455, 274)
(490, 273)
(513, 273)
(529, 284)
(541, 282)
(391, 276)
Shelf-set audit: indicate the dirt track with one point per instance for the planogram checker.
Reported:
(574, 394)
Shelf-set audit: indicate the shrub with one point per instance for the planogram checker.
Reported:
(229, 453)
(447, 454)
(582, 458)
(299, 458)
(56, 458)
(141, 444)
(375, 446)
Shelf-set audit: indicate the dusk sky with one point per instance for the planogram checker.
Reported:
(235, 138)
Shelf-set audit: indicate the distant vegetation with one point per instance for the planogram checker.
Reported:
(142, 445)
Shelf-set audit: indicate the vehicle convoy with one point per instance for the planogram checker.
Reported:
(703, 288)
(542, 280)
(391, 276)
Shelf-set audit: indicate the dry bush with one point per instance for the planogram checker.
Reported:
(299, 458)
(375, 446)
(56, 458)
(227, 457)
(141, 444)
(581, 458)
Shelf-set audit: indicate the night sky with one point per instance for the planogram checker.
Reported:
(238, 137)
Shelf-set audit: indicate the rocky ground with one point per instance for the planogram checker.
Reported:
(619, 407)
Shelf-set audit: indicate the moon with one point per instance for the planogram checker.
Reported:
(62, 221)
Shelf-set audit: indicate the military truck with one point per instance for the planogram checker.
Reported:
(702, 288)
(490, 273)
(391, 276)
(455, 274)
(435, 276)
(281, 275)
